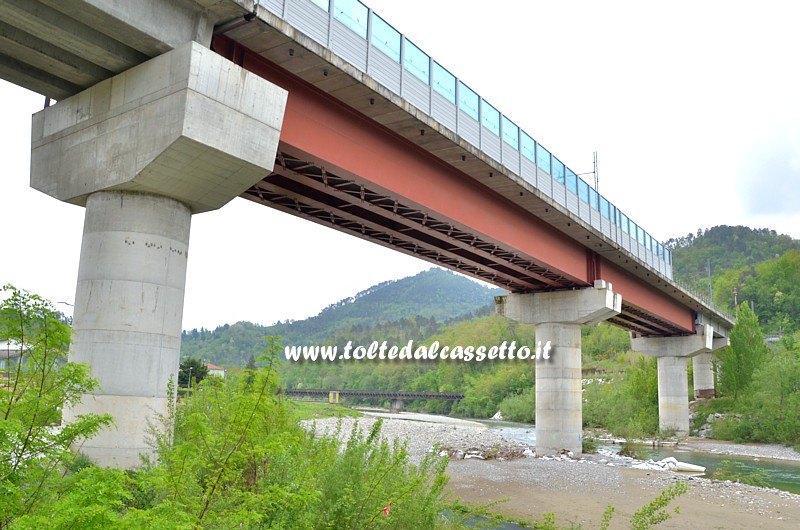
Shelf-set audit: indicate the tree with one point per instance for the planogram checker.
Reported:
(744, 355)
(192, 370)
(38, 385)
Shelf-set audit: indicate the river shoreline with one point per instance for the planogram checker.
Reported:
(578, 491)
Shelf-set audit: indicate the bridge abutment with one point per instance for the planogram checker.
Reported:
(673, 382)
(183, 133)
(558, 317)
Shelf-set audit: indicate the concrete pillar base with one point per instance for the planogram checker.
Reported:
(136, 421)
(673, 381)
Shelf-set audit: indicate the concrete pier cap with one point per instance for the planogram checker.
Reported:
(183, 133)
(558, 317)
(188, 124)
(673, 385)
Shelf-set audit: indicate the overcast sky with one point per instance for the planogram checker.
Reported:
(693, 108)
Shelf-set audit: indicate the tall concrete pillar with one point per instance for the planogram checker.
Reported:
(703, 375)
(558, 317)
(673, 395)
(128, 308)
(703, 370)
(183, 133)
(673, 382)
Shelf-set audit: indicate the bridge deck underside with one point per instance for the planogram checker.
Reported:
(305, 189)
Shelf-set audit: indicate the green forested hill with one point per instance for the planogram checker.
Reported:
(771, 287)
(413, 307)
(724, 248)
(760, 266)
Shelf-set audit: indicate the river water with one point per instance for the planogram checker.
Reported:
(780, 474)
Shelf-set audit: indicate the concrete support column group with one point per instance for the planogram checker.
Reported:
(183, 133)
(558, 317)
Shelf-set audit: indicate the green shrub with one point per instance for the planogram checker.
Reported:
(629, 406)
(520, 407)
(238, 459)
(39, 384)
(654, 512)
(589, 444)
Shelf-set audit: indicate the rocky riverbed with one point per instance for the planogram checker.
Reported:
(579, 490)
(423, 432)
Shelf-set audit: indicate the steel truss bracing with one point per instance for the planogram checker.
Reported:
(308, 190)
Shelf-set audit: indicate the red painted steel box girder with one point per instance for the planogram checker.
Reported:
(322, 129)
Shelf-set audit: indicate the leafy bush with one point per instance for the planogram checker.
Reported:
(37, 385)
(589, 444)
(654, 512)
(770, 409)
(629, 406)
(520, 407)
(235, 456)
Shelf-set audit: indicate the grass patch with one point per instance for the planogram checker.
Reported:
(313, 410)
(464, 514)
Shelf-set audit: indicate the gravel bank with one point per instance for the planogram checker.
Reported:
(757, 451)
(578, 491)
(423, 432)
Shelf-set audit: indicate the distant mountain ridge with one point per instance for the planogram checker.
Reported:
(724, 248)
(433, 295)
(759, 265)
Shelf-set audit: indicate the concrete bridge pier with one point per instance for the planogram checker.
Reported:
(558, 317)
(673, 383)
(703, 370)
(703, 375)
(183, 133)
(397, 405)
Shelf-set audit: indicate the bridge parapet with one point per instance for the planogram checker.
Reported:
(388, 72)
(349, 52)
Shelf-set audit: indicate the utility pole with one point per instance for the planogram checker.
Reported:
(596, 176)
